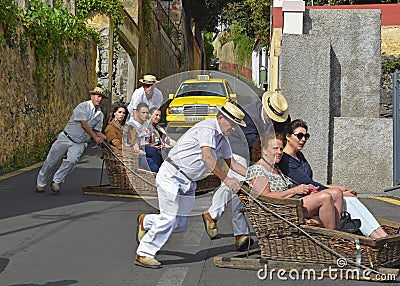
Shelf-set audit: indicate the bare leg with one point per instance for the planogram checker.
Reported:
(337, 196)
(321, 204)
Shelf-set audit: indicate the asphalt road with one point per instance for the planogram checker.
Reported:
(77, 239)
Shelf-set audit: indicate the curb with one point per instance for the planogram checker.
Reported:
(20, 171)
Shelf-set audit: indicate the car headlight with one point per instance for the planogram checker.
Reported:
(212, 110)
(175, 110)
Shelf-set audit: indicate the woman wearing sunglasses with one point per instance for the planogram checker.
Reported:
(295, 166)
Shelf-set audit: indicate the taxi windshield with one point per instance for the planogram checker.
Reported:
(202, 89)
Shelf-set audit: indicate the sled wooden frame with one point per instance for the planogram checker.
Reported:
(286, 242)
(127, 178)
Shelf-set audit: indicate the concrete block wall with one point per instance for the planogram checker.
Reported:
(306, 89)
(363, 150)
(330, 76)
(355, 40)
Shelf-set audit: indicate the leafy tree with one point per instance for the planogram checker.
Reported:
(208, 47)
(206, 12)
(252, 15)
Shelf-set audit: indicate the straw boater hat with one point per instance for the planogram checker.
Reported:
(232, 112)
(99, 91)
(275, 105)
(149, 79)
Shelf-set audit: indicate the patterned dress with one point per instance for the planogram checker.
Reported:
(277, 183)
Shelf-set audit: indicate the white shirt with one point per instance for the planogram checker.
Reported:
(139, 96)
(143, 132)
(87, 112)
(186, 153)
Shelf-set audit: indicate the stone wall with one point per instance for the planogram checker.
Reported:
(391, 40)
(157, 53)
(228, 61)
(30, 120)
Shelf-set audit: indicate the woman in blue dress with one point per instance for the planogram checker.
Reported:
(294, 165)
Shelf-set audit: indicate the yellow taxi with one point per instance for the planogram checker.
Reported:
(196, 100)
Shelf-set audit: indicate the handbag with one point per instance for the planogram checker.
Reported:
(347, 224)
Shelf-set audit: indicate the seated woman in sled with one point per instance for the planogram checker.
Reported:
(294, 165)
(116, 127)
(265, 179)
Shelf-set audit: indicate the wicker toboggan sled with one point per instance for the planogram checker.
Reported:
(127, 177)
(285, 241)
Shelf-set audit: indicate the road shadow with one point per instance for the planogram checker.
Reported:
(3, 263)
(201, 255)
(53, 283)
(19, 191)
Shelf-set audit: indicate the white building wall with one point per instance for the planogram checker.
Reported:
(255, 74)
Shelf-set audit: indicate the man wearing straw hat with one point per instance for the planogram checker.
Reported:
(269, 113)
(194, 155)
(147, 93)
(85, 122)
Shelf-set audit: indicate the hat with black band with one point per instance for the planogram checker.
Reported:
(232, 112)
(275, 105)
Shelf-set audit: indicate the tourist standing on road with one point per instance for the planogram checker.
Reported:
(147, 93)
(194, 155)
(261, 116)
(86, 122)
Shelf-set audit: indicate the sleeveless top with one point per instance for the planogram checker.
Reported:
(277, 183)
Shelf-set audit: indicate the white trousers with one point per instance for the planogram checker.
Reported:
(176, 197)
(358, 210)
(222, 197)
(57, 151)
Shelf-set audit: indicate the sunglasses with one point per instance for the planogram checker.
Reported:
(301, 135)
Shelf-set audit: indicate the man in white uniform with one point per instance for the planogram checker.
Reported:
(194, 155)
(147, 93)
(269, 113)
(86, 122)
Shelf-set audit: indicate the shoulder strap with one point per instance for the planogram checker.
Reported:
(285, 176)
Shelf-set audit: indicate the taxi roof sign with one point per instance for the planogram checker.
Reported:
(203, 77)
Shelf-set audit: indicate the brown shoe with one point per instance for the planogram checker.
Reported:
(39, 189)
(140, 231)
(55, 187)
(146, 261)
(242, 242)
(210, 224)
